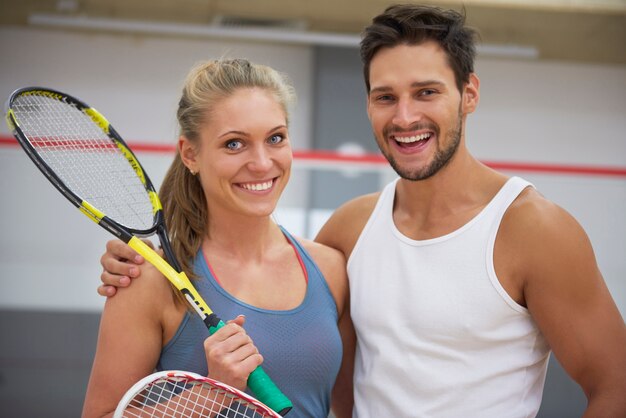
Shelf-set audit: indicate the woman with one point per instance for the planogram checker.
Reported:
(233, 162)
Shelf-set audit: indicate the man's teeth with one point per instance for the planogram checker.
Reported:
(257, 186)
(409, 139)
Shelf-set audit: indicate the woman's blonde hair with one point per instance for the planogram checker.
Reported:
(182, 196)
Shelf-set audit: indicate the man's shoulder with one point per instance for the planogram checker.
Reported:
(344, 227)
(532, 210)
(536, 227)
(362, 205)
(354, 213)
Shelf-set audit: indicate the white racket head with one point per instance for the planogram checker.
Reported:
(175, 393)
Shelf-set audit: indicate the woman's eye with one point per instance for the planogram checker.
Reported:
(234, 145)
(276, 139)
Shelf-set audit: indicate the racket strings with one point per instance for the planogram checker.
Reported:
(179, 397)
(83, 156)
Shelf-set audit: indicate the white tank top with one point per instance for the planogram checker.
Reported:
(438, 336)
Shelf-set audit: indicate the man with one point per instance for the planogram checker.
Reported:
(462, 280)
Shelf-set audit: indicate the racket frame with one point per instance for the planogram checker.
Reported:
(178, 375)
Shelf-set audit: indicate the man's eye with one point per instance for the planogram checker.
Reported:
(384, 98)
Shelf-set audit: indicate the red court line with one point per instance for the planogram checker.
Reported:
(377, 159)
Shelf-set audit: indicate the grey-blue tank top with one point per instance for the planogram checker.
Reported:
(301, 347)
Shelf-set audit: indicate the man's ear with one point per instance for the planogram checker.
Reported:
(471, 94)
(367, 107)
(188, 153)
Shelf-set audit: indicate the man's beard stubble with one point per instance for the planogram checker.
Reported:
(441, 158)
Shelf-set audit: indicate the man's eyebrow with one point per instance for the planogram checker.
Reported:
(382, 89)
(427, 83)
(416, 84)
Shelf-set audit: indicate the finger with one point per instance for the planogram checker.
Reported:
(235, 357)
(243, 362)
(117, 280)
(228, 331)
(251, 362)
(148, 242)
(225, 341)
(239, 320)
(244, 353)
(234, 373)
(117, 267)
(232, 360)
(108, 291)
(119, 250)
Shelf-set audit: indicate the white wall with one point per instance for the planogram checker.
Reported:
(550, 112)
(49, 260)
(530, 112)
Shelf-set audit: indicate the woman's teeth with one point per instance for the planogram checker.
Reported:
(257, 187)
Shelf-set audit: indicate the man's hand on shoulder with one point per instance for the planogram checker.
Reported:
(120, 265)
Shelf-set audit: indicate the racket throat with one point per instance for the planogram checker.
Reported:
(212, 321)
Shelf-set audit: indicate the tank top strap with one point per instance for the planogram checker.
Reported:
(316, 282)
(505, 196)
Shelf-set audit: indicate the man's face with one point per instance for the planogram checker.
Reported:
(416, 111)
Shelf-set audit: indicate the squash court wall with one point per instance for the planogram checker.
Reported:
(530, 112)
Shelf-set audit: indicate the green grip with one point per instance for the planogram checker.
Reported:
(259, 382)
(213, 323)
(267, 392)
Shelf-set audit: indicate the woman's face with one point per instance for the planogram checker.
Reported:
(244, 157)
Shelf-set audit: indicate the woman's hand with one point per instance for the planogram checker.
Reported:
(231, 355)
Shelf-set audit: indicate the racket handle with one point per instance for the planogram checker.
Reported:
(267, 392)
(264, 388)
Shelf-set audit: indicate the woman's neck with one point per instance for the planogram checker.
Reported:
(243, 238)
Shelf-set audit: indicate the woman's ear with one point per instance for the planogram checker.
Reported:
(188, 154)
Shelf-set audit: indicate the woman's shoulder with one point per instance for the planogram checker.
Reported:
(149, 287)
(332, 265)
(151, 280)
(323, 254)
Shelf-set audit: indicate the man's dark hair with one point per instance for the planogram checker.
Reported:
(410, 24)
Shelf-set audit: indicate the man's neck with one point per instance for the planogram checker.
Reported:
(446, 201)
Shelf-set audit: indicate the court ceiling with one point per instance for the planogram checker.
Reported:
(571, 30)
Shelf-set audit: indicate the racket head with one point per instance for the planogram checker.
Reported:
(83, 156)
(175, 393)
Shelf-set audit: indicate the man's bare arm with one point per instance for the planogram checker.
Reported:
(568, 298)
(343, 228)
